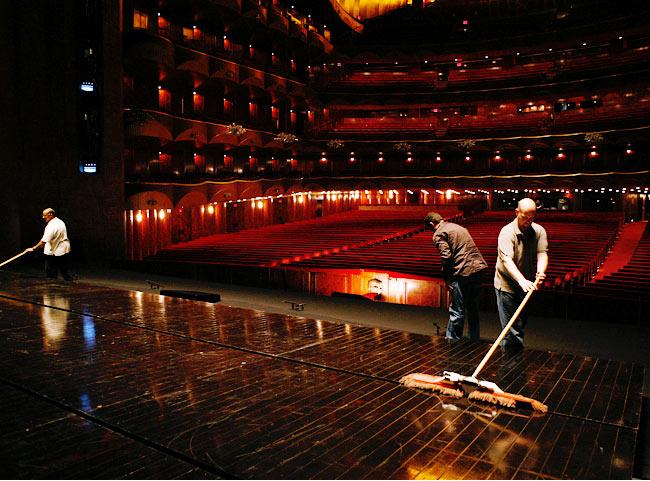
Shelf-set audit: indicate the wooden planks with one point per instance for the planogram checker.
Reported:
(43, 441)
(216, 391)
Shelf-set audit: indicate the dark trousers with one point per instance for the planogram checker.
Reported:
(464, 305)
(507, 304)
(56, 264)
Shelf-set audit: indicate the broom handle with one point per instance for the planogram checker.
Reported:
(503, 333)
(13, 258)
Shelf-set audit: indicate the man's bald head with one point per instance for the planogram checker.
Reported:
(526, 204)
(48, 214)
(526, 211)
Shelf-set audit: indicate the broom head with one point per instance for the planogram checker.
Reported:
(508, 400)
(456, 385)
(441, 384)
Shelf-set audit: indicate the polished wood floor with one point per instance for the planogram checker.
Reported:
(105, 383)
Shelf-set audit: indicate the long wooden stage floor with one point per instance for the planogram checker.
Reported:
(106, 383)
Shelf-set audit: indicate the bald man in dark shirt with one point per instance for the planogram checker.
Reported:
(462, 267)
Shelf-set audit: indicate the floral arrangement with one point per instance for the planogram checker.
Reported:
(467, 144)
(594, 138)
(335, 144)
(402, 146)
(286, 138)
(235, 129)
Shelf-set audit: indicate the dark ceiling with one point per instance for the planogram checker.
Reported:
(455, 25)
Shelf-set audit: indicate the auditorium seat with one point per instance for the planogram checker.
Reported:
(631, 282)
(578, 244)
(292, 242)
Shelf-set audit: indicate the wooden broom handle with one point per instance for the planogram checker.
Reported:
(504, 331)
(13, 258)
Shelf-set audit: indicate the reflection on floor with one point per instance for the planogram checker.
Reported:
(158, 387)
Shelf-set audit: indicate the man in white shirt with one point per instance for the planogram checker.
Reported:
(56, 246)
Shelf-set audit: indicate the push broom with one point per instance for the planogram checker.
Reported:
(14, 258)
(457, 385)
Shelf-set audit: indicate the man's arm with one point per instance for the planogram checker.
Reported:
(516, 274)
(445, 255)
(36, 247)
(542, 254)
(542, 264)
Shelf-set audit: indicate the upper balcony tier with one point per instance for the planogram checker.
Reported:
(489, 70)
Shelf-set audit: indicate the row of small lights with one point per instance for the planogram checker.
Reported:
(638, 190)
(409, 155)
(158, 214)
(601, 190)
(258, 202)
(561, 155)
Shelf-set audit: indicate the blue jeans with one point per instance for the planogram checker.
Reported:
(464, 305)
(507, 304)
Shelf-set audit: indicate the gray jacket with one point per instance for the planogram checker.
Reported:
(458, 252)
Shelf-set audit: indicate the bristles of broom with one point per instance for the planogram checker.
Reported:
(433, 383)
(508, 400)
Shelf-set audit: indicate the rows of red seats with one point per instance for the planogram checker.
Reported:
(631, 282)
(477, 125)
(606, 60)
(391, 78)
(285, 243)
(578, 244)
(539, 71)
(602, 116)
(520, 72)
(388, 124)
(470, 125)
(456, 125)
